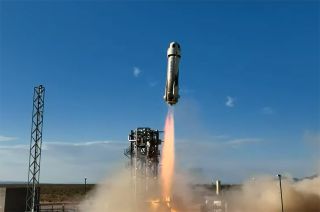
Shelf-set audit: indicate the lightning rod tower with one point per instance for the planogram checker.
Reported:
(33, 191)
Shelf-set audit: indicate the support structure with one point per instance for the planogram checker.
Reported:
(144, 155)
(33, 191)
(279, 175)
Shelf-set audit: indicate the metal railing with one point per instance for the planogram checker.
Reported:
(59, 207)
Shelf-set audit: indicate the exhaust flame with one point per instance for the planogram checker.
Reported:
(167, 160)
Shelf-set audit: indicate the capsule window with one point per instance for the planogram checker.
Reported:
(173, 45)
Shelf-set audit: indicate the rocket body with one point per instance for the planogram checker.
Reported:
(171, 95)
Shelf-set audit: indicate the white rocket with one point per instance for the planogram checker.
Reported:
(171, 95)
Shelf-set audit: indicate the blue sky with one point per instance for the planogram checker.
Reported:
(249, 80)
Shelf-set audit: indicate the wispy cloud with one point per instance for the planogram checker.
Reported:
(267, 110)
(17, 146)
(241, 141)
(152, 83)
(220, 137)
(224, 141)
(7, 138)
(230, 101)
(186, 91)
(136, 71)
(91, 159)
(88, 143)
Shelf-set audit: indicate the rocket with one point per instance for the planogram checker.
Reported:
(171, 95)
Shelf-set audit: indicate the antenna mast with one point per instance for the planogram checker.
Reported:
(33, 191)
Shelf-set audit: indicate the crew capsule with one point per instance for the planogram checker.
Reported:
(171, 95)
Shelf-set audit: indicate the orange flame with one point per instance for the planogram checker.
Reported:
(167, 159)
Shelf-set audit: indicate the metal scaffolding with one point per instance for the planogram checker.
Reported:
(144, 155)
(33, 191)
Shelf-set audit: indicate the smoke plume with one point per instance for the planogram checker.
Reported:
(263, 195)
(113, 194)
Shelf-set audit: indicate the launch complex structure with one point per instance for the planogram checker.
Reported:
(144, 142)
(144, 155)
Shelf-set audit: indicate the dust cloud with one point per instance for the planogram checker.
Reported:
(263, 194)
(116, 194)
(113, 194)
(174, 193)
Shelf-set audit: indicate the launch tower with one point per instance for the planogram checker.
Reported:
(144, 155)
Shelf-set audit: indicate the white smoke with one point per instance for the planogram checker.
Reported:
(263, 194)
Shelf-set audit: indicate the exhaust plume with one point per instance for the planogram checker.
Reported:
(167, 160)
